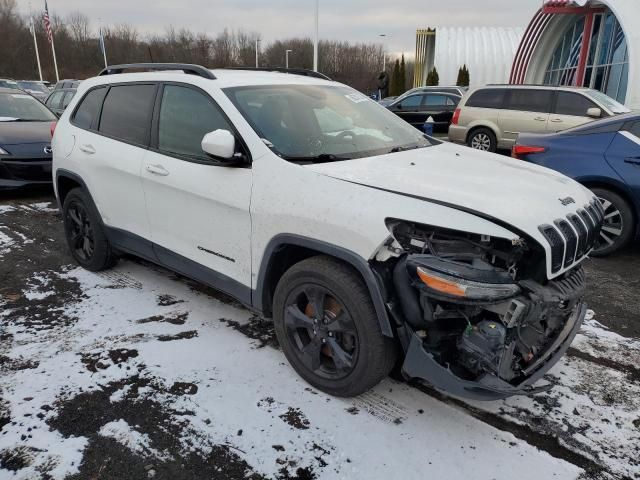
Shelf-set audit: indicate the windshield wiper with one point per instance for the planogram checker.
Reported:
(323, 157)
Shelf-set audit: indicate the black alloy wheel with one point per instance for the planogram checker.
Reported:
(81, 239)
(322, 331)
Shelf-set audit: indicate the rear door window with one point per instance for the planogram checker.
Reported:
(487, 98)
(435, 100)
(67, 99)
(86, 115)
(568, 103)
(530, 100)
(126, 113)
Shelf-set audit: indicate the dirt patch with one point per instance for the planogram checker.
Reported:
(183, 388)
(257, 329)
(295, 418)
(15, 459)
(101, 361)
(177, 318)
(166, 300)
(633, 373)
(178, 336)
(16, 364)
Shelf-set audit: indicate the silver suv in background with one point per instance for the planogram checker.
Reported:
(491, 117)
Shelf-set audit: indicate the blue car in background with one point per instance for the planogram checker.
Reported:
(605, 157)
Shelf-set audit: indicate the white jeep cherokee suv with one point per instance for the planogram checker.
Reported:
(308, 202)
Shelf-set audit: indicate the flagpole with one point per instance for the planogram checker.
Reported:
(35, 43)
(55, 62)
(103, 47)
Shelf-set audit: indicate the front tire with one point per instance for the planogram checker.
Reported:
(619, 224)
(84, 232)
(483, 139)
(328, 328)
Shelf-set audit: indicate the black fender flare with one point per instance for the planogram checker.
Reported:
(62, 173)
(347, 256)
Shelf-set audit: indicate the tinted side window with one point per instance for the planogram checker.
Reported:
(54, 100)
(435, 100)
(568, 103)
(126, 113)
(186, 115)
(67, 98)
(411, 102)
(487, 98)
(635, 129)
(89, 107)
(530, 100)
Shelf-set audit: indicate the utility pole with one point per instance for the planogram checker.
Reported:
(35, 44)
(315, 43)
(384, 53)
(286, 56)
(257, 50)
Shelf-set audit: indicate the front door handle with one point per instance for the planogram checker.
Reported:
(86, 148)
(157, 170)
(556, 120)
(540, 119)
(632, 160)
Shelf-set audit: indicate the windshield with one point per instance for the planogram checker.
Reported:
(33, 86)
(23, 107)
(608, 102)
(323, 123)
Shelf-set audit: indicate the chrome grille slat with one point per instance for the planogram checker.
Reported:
(570, 239)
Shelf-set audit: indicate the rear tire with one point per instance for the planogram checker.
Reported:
(483, 139)
(619, 228)
(84, 232)
(341, 351)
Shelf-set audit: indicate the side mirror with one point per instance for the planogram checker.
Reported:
(220, 144)
(398, 106)
(594, 112)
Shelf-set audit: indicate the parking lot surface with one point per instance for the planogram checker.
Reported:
(139, 373)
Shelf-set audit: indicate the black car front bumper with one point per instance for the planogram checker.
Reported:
(18, 172)
(419, 364)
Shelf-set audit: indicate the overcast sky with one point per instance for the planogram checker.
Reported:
(353, 20)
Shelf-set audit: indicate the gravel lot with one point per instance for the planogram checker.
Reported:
(140, 373)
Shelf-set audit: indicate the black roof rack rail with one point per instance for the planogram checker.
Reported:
(189, 68)
(293, 71)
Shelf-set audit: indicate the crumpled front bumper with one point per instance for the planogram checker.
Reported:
(420, 364)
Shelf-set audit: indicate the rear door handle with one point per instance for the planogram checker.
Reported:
(556, 120)
(86, 148)
(540, 119)
(157, 170)
(633, 160)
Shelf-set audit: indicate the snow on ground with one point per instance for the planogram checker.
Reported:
(139, 370)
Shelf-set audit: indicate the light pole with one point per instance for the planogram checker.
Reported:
(286, 56)
(315, 42)
(384, 53)
(257, 50)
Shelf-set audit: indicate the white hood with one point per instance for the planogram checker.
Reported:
(513, 191)
(510, 191)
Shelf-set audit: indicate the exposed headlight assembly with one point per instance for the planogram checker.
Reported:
(451, 280)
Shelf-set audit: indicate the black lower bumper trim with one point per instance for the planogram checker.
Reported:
(420, 364)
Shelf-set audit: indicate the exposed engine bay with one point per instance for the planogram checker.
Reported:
(479, 305)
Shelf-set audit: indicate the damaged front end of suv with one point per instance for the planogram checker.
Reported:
(476, 315)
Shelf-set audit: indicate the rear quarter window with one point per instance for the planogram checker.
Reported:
(530, 100)
(487, 98)
(87, 112)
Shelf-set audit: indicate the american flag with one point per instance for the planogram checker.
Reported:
(47, 22)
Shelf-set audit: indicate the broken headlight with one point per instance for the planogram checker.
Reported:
(450, 280)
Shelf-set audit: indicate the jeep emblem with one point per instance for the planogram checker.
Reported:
(566, 201)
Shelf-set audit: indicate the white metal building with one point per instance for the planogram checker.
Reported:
(591, 43)
(487, 52)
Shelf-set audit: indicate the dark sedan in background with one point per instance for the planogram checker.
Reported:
(25, 140)
(416, 108)
(604, 156)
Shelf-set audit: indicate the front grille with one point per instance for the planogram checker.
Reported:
(571, 238)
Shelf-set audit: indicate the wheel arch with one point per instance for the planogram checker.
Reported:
(285, 250)
(474, 128)
(65, 182)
